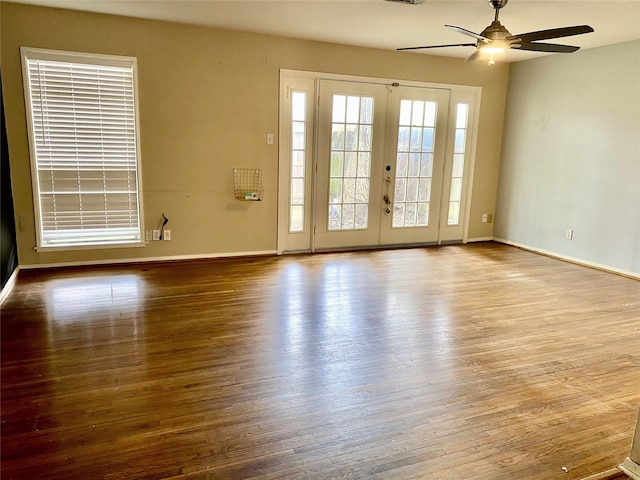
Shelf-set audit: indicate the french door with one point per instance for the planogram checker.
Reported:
(351, 141)
(366, 164)
(380, 164)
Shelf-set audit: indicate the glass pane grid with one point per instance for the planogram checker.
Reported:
(350, 163)
(460, 140)
(297, 167)
(414, 163)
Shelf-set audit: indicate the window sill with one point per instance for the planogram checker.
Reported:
(101, 246)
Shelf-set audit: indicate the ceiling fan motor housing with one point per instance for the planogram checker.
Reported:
(496, 31)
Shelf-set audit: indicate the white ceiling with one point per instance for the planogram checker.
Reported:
(383, 24)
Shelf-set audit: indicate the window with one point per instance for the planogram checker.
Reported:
(298, 148)
(414, 164)
(82, 117)
(455, 197)
(350, 168)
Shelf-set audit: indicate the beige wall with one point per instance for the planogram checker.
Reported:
(571, 157)
(207, 99)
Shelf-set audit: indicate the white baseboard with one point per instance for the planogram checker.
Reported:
(169, 258)
(6, 290)
(566, 258)
(630, 468)
(479, 239)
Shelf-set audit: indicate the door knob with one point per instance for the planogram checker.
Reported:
(386, 200)
(387, 211)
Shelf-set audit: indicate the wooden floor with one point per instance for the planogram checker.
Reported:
(459, 362)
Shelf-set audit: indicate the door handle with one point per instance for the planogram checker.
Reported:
(386, 200)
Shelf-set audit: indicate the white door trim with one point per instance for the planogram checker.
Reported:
(285, 241)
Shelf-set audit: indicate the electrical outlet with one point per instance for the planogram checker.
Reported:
(569, 234)
(484, 217)
(156, 234)
(269, 138)
(148, 237)
(489, 217)
(166, 235)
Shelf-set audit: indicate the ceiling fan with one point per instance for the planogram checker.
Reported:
(496, 38)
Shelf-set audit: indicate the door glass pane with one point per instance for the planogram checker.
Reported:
(424, 190)
(402, 163)
(398, 213)
(353, 109)
(337, 136)
(458, 164)
(337, 160)
(400, 190)
(454, 212)
(456, 189)
(462, 115)
(412, 192)
(410, 215)
(416, 139)
(335, 217)
(362, 214)
(426, 165)
(430, 114)
(423, 213)
(366, 111)
(335, 191)
(351, 137)
(427, 139)
(297, 166)
(364, 164)
(362, 190)
(417, 114)
(348, 190)
(349, 182)
(455, 197)
(350, 164)
(405, 112)
(348, 216)
(297, 191)
(414, 165)
(364, 139)
(339, 108)
(459, 142)
(298, 135)
(297, 218)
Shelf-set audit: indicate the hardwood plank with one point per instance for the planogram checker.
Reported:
(477, 361)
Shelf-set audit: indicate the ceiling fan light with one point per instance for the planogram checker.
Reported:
(492, 50)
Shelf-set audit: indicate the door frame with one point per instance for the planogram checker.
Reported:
(308, 81)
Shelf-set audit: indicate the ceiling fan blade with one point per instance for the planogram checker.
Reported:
(439, 46)
(466, 32)
(474, 56)
(545, 47)
(551, 33)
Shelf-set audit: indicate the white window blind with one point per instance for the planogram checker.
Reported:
(83, 140)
